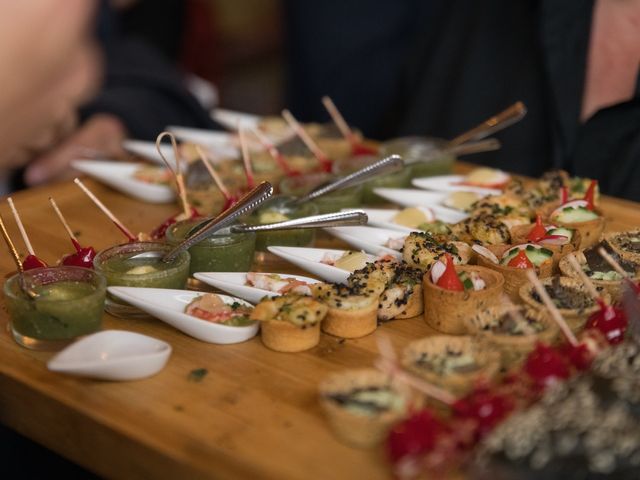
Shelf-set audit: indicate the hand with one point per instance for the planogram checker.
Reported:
(102, 134)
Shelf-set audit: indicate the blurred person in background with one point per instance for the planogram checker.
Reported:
(442, 68)
(141, 94)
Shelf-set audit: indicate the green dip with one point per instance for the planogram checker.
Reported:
(70, 303)
(417, 153)
(223, 252)
(332, 202)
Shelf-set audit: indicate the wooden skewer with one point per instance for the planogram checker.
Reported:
(273, 150)
(387, 363)
(553, 310)
(214, 175)
(611, 261)
(304, 136)
(338, 119)
(246, 160)
(12, 248)
(105, 210)
(583, 276)
(177, 173)
(62, 219)
(23, 232)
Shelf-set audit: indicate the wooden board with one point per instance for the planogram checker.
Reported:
(254, 415)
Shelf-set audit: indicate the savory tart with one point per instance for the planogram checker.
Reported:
(599, 271)
(626, 245)
(397, 284)
(577, 215)
(512, 330)
(352, 311)
(421, 250)
(488, 228)
(456, 363)
(362, 405)
(513, 262)
(569, 295)
(290, 323)
(452, 293)
(559, 240)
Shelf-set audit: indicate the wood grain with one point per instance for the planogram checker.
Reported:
(254, 415)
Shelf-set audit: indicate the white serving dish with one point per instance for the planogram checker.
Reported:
(408, 197)
(112, 355)
(119, 175)
(235, 284)
(451, 183)
(309, 259)
(369, 239)
(168, 305)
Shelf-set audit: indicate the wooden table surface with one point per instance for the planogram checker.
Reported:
(254, 415)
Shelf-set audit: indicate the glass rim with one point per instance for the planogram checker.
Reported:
(101, 258)
(237, 237)
(97, 279)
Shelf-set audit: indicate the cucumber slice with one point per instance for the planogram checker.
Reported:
(575, 215)
(536, 255)
(565, 232)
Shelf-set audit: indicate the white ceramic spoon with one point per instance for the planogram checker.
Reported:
(112, 355)
(408, 197)
(310, 259)
(451, 183)
(235, 283)
(119, 175)
(169, 305)
(370, 239)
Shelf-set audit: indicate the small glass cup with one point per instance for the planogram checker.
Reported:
(333, 202)
(417, 153)
(277, 209)
(70, 303)
(222, 252)
(115, 264)
(394, 180)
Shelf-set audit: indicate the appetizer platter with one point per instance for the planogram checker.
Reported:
(510, 303)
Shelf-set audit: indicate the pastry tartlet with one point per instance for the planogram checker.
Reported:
(456, 363)
(352, 311)
(397, 284)
(626, 245)
(513, 335)
(569, 295)
(520, 233)
(600, 272)
(421, 250)
(362, 405)
(290, 323)
(515, 277)
(446, 310)
(576, 215)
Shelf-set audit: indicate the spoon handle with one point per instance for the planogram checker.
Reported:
(249, 202)
(337, 219)
(390, 164)
(494, 124)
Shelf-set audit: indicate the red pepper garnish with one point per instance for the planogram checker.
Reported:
(359, 149)
(610, 321)
(564, 195)
(31, 262)
(520, 261)
(538, 232)
(590, 195)
(159, 232)
(449, 279)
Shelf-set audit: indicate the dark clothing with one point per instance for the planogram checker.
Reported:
(473, 59)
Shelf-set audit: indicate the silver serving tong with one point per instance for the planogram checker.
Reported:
(337, 219)
(500, 121)
(391, 164)
(468, 148)
(245, 205)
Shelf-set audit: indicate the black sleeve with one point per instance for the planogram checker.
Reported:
(144, 91)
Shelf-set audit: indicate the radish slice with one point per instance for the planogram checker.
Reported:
(571, 204)
(486, 253)
(437, 270)
(554, 240)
